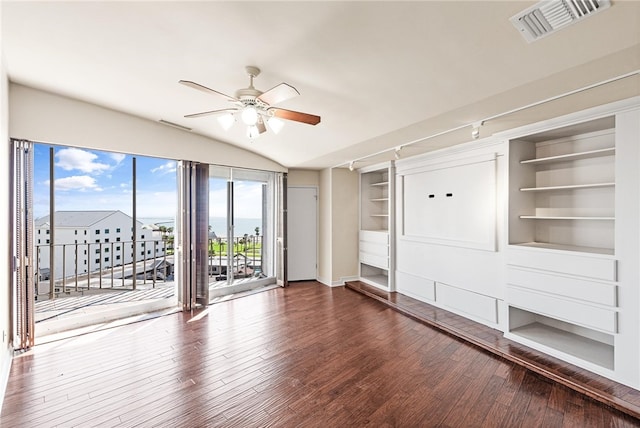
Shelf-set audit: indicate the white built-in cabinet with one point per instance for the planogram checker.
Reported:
(562, 188)
(534, 231)
(447, 235)
(572, 259)
(376, 261)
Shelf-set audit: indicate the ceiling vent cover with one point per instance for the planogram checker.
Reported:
(546, 17)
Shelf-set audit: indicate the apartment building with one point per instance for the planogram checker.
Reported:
(91, 241)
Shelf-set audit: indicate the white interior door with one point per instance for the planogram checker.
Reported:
(302, 226)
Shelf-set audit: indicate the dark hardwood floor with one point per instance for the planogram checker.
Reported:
(605, 390)
(307, 355)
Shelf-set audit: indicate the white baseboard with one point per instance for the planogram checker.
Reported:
(340, 282)
(350, 278)
(324, 281)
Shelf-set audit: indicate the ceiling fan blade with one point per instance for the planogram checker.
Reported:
(199, 87)
(261, 127)
(208, 113)
(279, 93)
(295, 115)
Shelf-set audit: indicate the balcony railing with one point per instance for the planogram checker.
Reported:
(245, 257)
(105, 265)
(80, 268)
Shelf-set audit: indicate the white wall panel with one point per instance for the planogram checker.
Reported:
(415, 286)
(455, 205)
(473, 304)
(478, 271)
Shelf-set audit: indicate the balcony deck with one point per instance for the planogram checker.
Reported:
(97, 309)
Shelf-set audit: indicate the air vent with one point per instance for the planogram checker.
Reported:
(546, 17)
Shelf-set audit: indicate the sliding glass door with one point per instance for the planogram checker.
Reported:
(242, 213)
(93, 237)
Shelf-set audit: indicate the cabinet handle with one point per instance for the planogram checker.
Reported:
(432, 196)
(449, 195)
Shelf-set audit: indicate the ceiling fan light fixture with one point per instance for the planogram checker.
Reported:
(249, 116)
(275, 124)
(253, 132)
(226, 121)
(255, 108)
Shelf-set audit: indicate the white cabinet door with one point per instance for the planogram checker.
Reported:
(452, 206)
(302, 232)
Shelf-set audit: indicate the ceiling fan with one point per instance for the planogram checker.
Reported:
(255, 107)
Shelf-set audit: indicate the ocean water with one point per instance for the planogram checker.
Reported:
(218, 225)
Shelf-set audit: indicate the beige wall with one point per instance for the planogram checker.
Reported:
(344, 225)
(66, 121)
(324, 227)
(338, 237)
(303, 177)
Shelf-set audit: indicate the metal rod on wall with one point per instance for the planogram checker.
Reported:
(133, 227)
(52, 222)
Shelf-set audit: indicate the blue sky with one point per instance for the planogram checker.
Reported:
(95, 180)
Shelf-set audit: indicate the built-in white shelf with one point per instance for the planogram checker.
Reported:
(376, 225)
(378, 280)
(581, 347)
(567, 187)
(545, 217)
(562, 187)
(561, 247)
(572, 156)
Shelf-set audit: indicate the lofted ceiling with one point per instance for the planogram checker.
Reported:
(380, 74)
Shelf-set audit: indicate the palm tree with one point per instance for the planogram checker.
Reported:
(163, 231)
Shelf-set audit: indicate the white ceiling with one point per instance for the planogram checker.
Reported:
(369, 69)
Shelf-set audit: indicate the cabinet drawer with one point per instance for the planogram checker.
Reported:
(374, 248)
(374, 237)
(471, 303)
(564, 310)
(556, 261)
(573, 287)
(373, 260)
(415, 286)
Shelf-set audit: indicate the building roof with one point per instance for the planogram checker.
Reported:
(77, 218)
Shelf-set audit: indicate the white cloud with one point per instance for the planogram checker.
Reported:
(77, 182)
(247, 201)
(82, 160)
(157, 205)
(166, 168)
(118, 157)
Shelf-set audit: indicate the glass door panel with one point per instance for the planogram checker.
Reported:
(241, 229)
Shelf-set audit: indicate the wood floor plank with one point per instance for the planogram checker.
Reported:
(607, 391)
(307, 355)
(496, 415)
